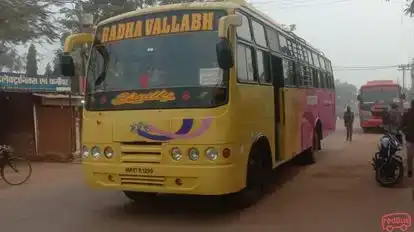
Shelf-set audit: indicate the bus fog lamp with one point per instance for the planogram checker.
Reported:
(95, 151)
(108, 152)
(211, 153)
(85, 152)
(193, 154)
(176, 154)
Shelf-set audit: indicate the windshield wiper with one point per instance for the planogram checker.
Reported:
(105, 54)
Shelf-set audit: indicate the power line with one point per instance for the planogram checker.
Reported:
(297, 3)
(363, 68)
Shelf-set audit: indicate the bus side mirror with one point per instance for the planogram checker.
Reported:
(403, 97)
(224, 54)
(67, 65)
(359, 97)
(223, 47)
(77, 39)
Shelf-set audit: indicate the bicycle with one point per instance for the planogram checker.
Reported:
(8, 160)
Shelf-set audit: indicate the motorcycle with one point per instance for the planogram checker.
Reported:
(387, 162)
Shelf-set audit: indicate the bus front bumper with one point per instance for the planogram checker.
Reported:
(184, 179)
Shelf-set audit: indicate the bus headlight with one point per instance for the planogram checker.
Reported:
(176, 154)
(108, 152)
(211, 153)
(193, 154)
(85, 152)
(96, 152)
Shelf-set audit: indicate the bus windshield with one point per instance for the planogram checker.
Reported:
(385, 94)
(175, 63)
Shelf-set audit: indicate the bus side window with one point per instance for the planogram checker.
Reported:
(244, 31)
(263, 68)
(316, 78)
(289, 73)
(323, 80)
(315, 60)
(245, 70)
(291, 48)
(331, 81)
(259, 34)
(327, 80)
(273, 39)
(310, 59)
(305, 76)
(277, 70)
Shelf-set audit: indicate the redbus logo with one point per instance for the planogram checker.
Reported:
(401, 221)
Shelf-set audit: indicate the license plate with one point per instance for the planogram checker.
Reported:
(139, 170)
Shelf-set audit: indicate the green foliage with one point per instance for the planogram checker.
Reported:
(31, 61)
(10, 59)
(409, 10)
(22, 21)
(48, 71)
(56, 64)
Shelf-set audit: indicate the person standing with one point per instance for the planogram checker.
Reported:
(349, 123)
(395, 120)
(407, 126)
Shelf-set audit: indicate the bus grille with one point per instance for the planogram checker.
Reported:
(141, 152)
(128, 179)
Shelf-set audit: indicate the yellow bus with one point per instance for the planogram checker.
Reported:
(199, 98)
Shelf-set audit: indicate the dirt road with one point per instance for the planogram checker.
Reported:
(336, 194)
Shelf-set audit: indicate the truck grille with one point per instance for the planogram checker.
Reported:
(141, 152)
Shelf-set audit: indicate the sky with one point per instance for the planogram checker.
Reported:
(349, 32)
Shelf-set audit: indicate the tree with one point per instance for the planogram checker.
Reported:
(31, 61)
(11, 60)
(345, 94)
(56, 65)
(48, 70)
(22, 21)
(410, 7)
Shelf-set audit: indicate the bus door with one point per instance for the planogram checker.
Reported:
(277, 77)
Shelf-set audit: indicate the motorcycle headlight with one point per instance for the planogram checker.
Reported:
(385, 141)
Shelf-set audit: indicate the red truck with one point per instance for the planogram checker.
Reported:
(375, 98)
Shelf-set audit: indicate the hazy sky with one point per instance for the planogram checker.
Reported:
(349, 32)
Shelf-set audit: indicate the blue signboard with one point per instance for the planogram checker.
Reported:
(17, 82)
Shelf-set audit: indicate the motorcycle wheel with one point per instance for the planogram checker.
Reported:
(382, 177)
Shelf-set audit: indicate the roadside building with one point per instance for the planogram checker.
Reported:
(38, 116)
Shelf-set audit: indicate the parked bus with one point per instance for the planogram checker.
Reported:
(199, 98)
(374, 98)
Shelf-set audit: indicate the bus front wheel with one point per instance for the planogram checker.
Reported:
(259, 172)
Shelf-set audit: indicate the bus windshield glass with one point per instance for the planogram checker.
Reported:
(163, 60)
(385, 94)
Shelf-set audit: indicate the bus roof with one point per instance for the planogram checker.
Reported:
(218, 4)
(379, 83)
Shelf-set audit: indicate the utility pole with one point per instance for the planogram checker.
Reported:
(402, 68)
(85, 26)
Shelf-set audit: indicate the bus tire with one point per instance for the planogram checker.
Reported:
(259, 172)
(139, 196)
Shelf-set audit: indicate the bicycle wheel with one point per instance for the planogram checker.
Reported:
(17, 172)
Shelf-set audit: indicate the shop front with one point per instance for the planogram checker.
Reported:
(38, 115)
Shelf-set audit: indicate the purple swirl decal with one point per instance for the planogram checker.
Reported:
(154, 133)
